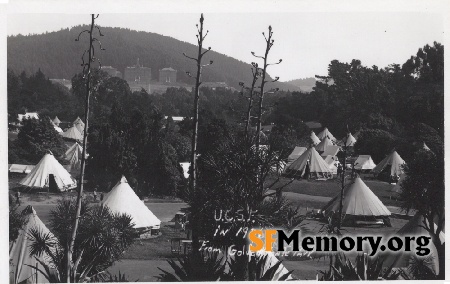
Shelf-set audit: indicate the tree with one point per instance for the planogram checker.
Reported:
(37, 137)
(423, 189)
(101, 241)
(376, 142)
(194, 153)
(87, 69)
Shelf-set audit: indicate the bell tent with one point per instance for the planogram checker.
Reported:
(394, 161)
(49, 170)
(331, 150)
(123, 199)
(297, 152)
(185, 166)
(19, 252)
(359, 204)
(326, 133)
(349, 140)
(322, 146)
(310, 158)
(415, 227)
(79, 124)
(315, 140)
(73, 155)
(73, 133)
(56, 121)
(364, 162)
(333, 163)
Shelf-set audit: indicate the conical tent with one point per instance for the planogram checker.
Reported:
(123, 199)
(56, 121)
(359, 201)
(333, 163)
(317, 166)
(331, 150)
(322, 146)
(315, 140)
(350, 140)
(73, 133)
(398, 186)
(79, 124)
(185, 166)
(19, 252)
(425, 147)
(394, 161)
(40, 175)
(297, 152)
(73, 155)
(414, 227)
(364, 162)
(326, 133)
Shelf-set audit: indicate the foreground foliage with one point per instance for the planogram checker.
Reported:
(101, 240)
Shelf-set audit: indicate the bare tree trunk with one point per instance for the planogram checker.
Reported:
(342, 185)
(83, 158)
(250, 100)
(193, 175)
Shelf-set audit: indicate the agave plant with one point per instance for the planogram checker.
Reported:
(102, 239)
(364, 268)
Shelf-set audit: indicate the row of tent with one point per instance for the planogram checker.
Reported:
(302, 160)
(75, 132)
(348, 141)
(359, 199)
(122, 200)
(361, 204)
(49, 170)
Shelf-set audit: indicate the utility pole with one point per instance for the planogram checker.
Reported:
(87, 74)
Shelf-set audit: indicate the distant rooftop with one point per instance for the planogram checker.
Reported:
(168, 69)
(313, 124)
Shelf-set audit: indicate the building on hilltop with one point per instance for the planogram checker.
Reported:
(138, 77)
(215, 85)
(138, 74)
(111, 71)
(167, 75)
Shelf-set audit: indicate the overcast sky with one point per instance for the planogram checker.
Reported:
(306, 41)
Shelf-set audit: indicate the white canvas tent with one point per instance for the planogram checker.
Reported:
(22, 169)
(364, 162)
(73, 133)
(322, 146)
(414, 227)
(326, 133)
(359, 201)
(333, 163)
(317, 166)
(331, 150)
(79, 124)
(19, 252)
(315, 140)
(297, 152)
(56, 121)
(73, 155)
(58, 129)
(394, 161)
(185, 166)
(350, 140)
(123, 199)
(39, 177)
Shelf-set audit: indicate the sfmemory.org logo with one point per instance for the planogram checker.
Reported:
(279, 240)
